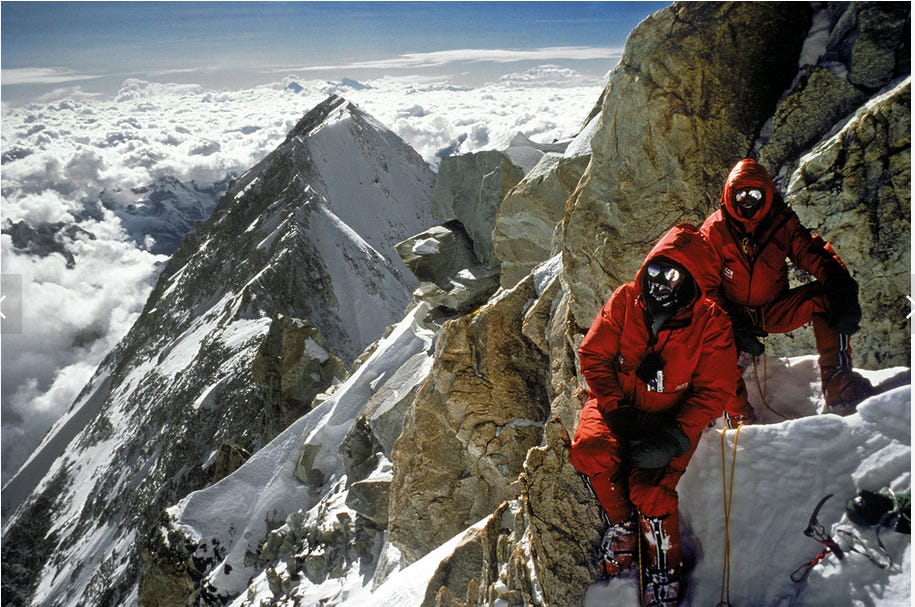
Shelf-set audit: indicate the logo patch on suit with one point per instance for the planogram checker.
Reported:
(728, 273)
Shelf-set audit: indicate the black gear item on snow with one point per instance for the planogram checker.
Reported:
(659, 447)
(818, 532)
(844, 313)
(870, 509)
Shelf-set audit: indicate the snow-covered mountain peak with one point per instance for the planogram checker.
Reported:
(257, 311)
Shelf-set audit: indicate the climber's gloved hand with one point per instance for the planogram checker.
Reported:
(844, 313)
(746, 338)
(659, 447)
(746, 333)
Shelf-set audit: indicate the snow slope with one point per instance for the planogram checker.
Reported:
(233, 513)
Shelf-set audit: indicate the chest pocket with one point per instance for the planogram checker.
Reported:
(655, 382)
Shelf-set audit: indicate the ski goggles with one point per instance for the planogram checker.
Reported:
(749, 197)
(664, 274)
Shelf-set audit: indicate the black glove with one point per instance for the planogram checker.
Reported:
(623, 422)
(659, 447)
(746, 333)
(844, 313)
(746, 338)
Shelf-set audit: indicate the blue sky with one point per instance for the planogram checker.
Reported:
(232, 44)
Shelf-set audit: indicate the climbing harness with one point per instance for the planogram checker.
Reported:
(727, 486)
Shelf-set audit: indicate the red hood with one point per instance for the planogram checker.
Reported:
(685, 245)
(747, 174)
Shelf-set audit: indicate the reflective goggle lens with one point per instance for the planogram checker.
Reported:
(750, 197)
(668, 274)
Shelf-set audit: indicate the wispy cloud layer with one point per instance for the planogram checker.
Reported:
(41, 75)
(441, 58)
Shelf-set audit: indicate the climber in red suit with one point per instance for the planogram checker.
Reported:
(752, 234)
(659, 362)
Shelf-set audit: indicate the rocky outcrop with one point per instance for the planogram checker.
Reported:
(855, 188)
(562, 514)
(451, 278)
(536, 550)
(526, 224)
(470, 188)
(293, 365)
(854, 50)
(664, 141)
(686, 101)
(471, 423)
(46, 239)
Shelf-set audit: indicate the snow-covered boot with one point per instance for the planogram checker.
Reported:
(843, 389)
(661, 561)
(619, 547)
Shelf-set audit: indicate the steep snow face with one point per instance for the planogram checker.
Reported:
(233, 516)
(181, 383)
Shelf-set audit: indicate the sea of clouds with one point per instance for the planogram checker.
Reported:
(64, 150)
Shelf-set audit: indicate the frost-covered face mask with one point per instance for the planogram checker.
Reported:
(748, 201)
(663, 281)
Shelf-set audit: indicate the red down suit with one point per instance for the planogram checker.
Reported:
(697, 349)
(751, 268)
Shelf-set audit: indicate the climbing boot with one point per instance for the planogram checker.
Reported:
(843, 389)
(662, 560)
(619, 547)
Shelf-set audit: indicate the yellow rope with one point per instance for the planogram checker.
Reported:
(727, 486)
(761, 386)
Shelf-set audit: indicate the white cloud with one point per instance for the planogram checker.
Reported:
(71, 149)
